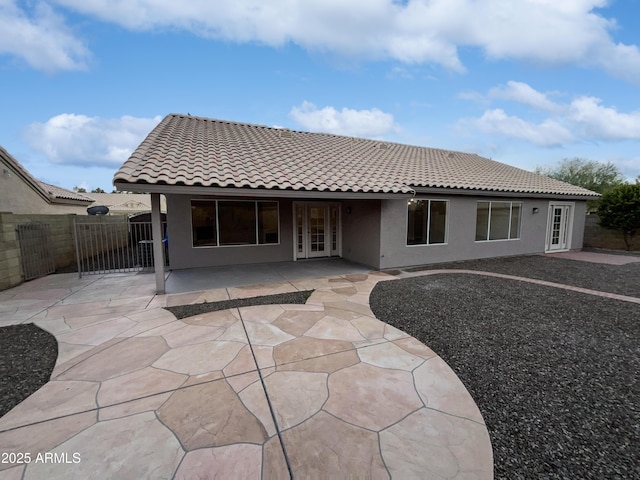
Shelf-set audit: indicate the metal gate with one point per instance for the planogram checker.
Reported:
(35, 249)
(114, 247)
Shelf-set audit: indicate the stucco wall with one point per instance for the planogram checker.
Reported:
(374, 234)
(184, 255)
(361, 232)
(461, 244)
(18, 197)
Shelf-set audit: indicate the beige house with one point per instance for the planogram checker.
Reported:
(21, 193)
(239, 193)
(125, 203)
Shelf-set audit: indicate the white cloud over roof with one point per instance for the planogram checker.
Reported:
(370, 123)
(88, 141)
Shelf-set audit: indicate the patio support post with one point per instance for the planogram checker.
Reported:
(158, 250)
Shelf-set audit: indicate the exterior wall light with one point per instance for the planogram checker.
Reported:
(535, 210)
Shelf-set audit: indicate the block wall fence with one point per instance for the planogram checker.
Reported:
(597, 237)
(62, 241)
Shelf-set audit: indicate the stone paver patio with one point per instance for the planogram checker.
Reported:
(322, 390)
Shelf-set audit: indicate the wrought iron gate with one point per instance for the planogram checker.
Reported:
(35, 249)
(114, 247)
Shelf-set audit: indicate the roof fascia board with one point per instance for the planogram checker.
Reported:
(495, 193)
(70, 201)
(252, 192)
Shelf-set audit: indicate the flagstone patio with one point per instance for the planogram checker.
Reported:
(321, 390)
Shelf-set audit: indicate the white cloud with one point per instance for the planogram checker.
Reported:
(603, 123)
(549, 133)
(89, 141)
(583, 119)
(629, 167)
(523, 93)
(40, 38)
(416, 31)
(357, 123)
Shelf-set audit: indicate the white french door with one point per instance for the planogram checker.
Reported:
(559, 227)
(317, 230)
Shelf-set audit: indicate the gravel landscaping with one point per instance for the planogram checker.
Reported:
(620, 279)
(27, 357)
(554, 373)
(184, 311)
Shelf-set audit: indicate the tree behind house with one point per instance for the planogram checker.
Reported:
(595, 176)
(619, 209)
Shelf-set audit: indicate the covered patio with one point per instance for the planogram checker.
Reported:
(206, 278)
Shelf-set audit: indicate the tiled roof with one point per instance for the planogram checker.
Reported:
(195, 151)
(60, 193)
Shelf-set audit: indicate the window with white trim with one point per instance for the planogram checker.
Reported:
(426, 221)
(498, 221)
(234, 222)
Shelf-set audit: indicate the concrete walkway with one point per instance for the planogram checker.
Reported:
(322, 390)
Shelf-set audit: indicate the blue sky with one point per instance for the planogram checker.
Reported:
(527, 82)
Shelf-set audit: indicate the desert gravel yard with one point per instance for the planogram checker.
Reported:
(620, 279)
(554, 372)
(27, 357)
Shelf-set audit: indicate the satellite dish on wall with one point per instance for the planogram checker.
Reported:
(98, 210)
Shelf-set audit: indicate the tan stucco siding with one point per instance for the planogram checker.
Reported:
(19, 197)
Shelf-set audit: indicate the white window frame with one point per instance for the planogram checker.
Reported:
(428, 220)
(569, 226)
(508, 239)
(217, 245)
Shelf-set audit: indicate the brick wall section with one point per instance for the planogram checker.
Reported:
(62, 240)
(597, 237)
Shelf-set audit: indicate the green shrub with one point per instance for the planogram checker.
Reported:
(619, 209)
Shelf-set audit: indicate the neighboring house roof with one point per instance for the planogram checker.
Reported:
(194, 151)
(49, 193)
(61, 194)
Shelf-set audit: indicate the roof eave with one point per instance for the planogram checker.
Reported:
(252, 192)
(272, 193)
(502, 193)
(70, 201)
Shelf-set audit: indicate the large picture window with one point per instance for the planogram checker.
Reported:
(204, 223)
(498, 221)
(234, 222)
(426, 222)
